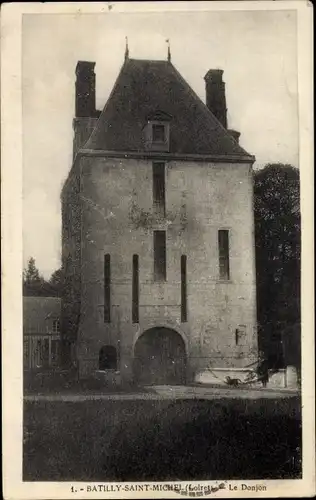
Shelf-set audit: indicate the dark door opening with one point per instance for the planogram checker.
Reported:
(107, 358)
(160, 358)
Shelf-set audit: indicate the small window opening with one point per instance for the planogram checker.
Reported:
(160, 270)
(56, 326)
(183, 288)
(158, 133)
(223, 247)
(107, 288)
(159, 188)
(135, 290)
(107, 358)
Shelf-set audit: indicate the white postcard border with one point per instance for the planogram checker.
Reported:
(11, 154)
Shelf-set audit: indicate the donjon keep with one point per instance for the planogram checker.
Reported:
(157, 231)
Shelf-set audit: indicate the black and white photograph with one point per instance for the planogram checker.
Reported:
(160, 278)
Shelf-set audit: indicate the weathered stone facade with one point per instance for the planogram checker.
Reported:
(117, 218)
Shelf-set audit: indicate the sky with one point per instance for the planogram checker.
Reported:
(256, 50)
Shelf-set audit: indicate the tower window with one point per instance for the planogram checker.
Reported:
(183, 288)
(107, 288)
(159, 188)
(160, 255)
(223, 249)
(158, 133)
(135, 290)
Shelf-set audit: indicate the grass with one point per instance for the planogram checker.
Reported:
(162, 440)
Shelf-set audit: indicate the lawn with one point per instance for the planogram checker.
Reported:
(162, 440)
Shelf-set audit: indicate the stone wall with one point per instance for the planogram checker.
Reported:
(117, 218)
(71, 262)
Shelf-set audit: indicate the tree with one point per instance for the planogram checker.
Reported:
(33, 282)
(57, 281)
(35, 285)
(277, 228)
(31, 274)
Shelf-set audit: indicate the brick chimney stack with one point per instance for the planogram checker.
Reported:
(86, 115)
(215, 95)
(85, 89)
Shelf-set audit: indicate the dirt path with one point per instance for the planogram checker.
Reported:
(170, 392)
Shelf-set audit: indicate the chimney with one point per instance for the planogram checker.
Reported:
(85, 89)
(215, 95)
(86, 115)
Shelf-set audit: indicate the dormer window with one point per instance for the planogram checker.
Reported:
(157, 131)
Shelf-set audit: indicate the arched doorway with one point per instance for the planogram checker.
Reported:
(107, 358)
(160, 357)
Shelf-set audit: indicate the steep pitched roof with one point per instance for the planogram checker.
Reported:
(37, 310)
(144, 87)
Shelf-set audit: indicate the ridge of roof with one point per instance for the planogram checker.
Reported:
(40, 298)
(132, 59)
(143, 86)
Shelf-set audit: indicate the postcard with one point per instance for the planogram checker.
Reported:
(157, 229)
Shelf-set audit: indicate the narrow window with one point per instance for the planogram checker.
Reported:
(26, 352)
(158, 133)
(135, 290)
(107, 358)
(45, 352)
(183, 288)
(56, 326)
(223, 248)
(159, 188)
(55, 347)
(107, 288)
(159, 255)
(38, 354)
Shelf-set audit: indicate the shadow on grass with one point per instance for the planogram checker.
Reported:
(162, 440)
(206, 441)
(66, 382)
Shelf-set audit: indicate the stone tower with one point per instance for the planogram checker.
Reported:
(158, 231)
